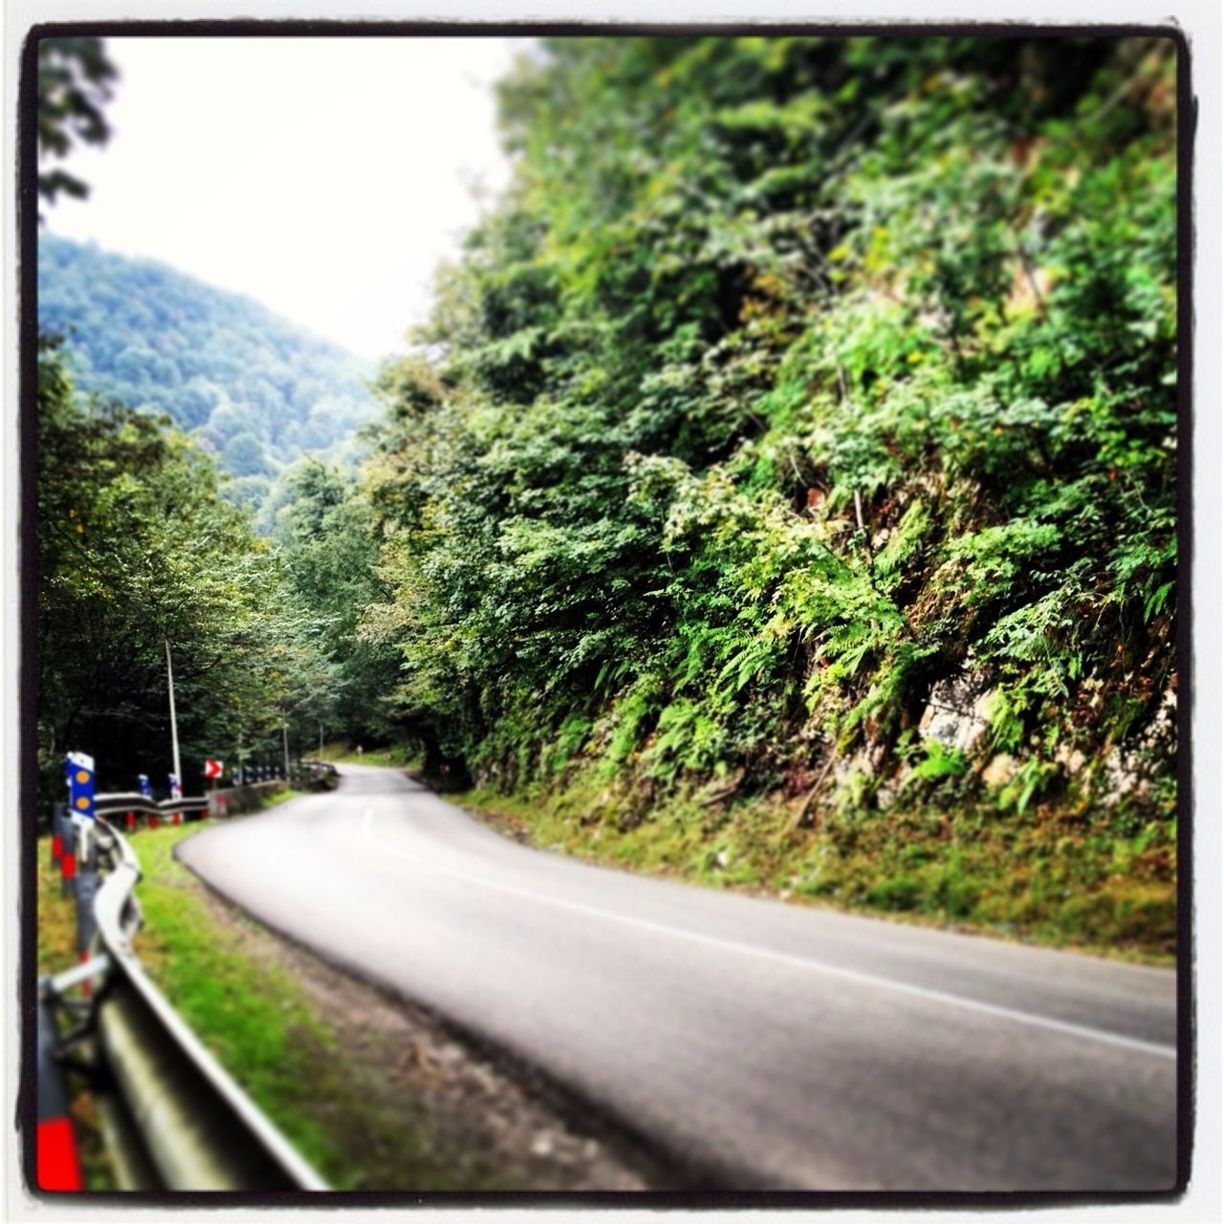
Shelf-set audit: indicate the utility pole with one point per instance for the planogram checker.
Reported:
(285, 738)
(320, 739)
(178, 773)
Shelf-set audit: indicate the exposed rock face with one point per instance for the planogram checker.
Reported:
(1071, 759)
(958, 711)
(1125, 770)
(1000, 770)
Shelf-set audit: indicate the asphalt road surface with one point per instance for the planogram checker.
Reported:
(769, 1045)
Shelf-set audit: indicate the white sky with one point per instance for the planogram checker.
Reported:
(326, 178)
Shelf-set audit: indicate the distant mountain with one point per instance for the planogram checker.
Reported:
(258, 390)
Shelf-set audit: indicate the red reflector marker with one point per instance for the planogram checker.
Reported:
(57, 848)
(59, 1167)
(68, 862)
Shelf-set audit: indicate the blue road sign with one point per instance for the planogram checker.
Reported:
(80, 770)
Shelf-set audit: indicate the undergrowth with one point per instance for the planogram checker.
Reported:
(1052, 875)
(796, 389)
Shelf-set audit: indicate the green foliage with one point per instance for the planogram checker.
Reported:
(74, 83)
(940, 762)
(1031, 777)
(790, 375)
(137, 546)
(252, 388)
(329, 551)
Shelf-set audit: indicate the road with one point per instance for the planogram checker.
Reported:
(770, 1045)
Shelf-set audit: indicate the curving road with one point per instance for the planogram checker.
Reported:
(770, 1045)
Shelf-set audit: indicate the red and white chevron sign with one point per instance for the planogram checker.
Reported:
(212, 769)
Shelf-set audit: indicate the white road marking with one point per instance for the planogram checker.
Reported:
(785, 958)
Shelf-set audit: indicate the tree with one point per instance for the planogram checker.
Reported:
(791, 374)
(325, 530)
(75, 78)
(136, 546)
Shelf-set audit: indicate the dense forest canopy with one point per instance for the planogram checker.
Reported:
(256, 390)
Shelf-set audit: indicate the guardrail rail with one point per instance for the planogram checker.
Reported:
(173, 1117)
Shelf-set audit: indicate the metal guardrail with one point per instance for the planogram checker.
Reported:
(175, 1118)
(134, 801)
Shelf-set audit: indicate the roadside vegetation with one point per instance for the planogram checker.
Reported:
(395, 756)
(1048, 878)
(787, 477)
(255, 1021)
(782, 493)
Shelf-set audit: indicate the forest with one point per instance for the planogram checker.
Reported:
(257, 391)
(782, 494)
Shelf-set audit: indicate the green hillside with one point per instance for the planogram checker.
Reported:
(783, 493)
(255, 389)
(793, 498)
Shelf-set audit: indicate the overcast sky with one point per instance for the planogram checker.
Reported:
(325, 178)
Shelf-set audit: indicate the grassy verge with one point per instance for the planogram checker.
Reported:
(396, 756)
(255, 1021)
(1054, 877)
(56, 933)
(276, 798)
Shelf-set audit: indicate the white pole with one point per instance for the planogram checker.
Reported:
(320, 739)
(178, 773)
(285, 737)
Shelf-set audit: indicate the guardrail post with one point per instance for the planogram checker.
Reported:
(67, 846)
(57, 832)
(86, 891)
(57, 1161)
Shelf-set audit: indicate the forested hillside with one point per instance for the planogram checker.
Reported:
(782, 494)
(255, 389)
(788, 495)
(139, 546)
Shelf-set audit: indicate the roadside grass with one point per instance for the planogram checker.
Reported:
(394, 756)
(276, 798)
(56, 923)
(254, 1021)
(1053, 877)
